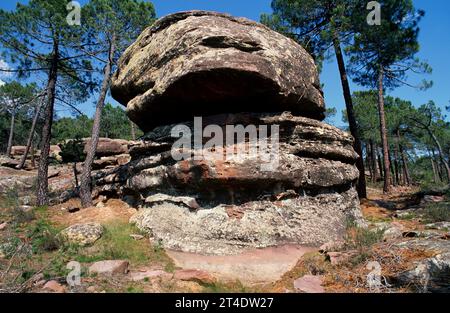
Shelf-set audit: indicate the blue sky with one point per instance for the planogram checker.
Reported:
(434, 40)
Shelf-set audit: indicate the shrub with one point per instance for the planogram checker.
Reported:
(43, 236)
(437, 212)
(361, 239)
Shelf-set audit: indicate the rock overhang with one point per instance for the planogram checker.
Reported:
(200, 63)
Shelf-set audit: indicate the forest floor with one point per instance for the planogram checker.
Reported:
(404, 229)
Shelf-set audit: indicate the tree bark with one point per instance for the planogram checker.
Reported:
(440, 152)
(374, 162)
(406, 174)
(433, 166)
(380, 164)
(133, 131)
(33, 162)
(384, 140)
(393, 177)
(396, 159)
(436, 166)
(369, 160)
(42, 180)
(361, 187)
(403, 160)
(31, 135)
(74, 168)
(11, 133)
(85, 187)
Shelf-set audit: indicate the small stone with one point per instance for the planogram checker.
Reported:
(54, 286)
(138, 276)
(40, 283)
(309, 284)
(337, 258)
(429, 198)
(109, 267)
(189, 202)
(91, 289)
(73, 209)
(26, 208)
(438, 226)
(3, 226)
(137, 237)
(197, 276)
(83, 234)
(331, 246)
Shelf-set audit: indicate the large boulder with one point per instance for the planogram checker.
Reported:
(232, 195)
(305, 200)
(108, 147)
(204, 63)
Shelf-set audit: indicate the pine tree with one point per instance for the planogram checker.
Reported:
(111, 26)
(382, 55)
(319, 25)
(15, 97)
(38, 40)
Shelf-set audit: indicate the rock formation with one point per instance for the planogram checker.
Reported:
(230, 71)
(205, 63)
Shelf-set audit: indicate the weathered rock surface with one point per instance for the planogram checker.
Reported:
(108, 147)
(82, 234)
(206, 63)
(251, 267)
(300, 190)
(109, 267)
(54, 286)
(309, 284)
(431, 274)
(218, 206)
(198, 276)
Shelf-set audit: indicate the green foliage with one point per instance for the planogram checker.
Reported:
(389, 47)
(72, 151)
(437, 212)
(10, 198)
(115, 123)
(30, 34)
(361, 239)
(43, 236)
(69, 128)
(116, 243)
(314, 23)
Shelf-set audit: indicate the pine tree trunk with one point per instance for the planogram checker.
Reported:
(406, 175)
(369, 160)
(361, 187)
(396, 163)
(74, 168)
(133, 131)
(85, 187)
(11, 134)
(393, 176)
(436, 165)
(384, 140)
(33, 163)
(380, 164)
(374, 162)
(31, 135)
(42, 180)
(440, 152)
(433, 166)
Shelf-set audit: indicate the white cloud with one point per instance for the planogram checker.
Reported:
(4, 66)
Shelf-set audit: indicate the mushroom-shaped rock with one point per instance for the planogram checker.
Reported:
(200, 63)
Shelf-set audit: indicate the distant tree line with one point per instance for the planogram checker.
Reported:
(378, 56)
